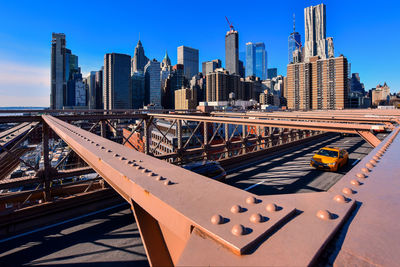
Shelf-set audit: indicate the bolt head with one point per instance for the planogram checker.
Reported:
(360, 175)
(324, 215)
(355, 182)
(271, 207)
(340, 199)
(369, 165)
(216, 219)
(347, 191)
(167, 182)
(365, 170)
(251, 200)
(236, 209)
(256, 218)
(159, 178)
(238, 230)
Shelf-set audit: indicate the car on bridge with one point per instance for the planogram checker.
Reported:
(330, 159)
(209, 168)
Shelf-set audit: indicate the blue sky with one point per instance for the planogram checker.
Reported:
(366, 32)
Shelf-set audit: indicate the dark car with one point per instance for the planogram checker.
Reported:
(211, 169)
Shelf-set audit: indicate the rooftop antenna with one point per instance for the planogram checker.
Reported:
(139, 35)
(294, 22)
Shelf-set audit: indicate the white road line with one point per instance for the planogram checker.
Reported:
(60, 223)
(346, 141)
(254, 185)
(355, 162)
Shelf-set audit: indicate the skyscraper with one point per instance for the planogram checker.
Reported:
(175, 81)
(315, 43)
(139, 59)
(116, 82)
(58, 71)
(99, 89)
(256, 60)
(138, 90)
(91, 87)
(210, 66)
(272, 72)
(189, 58)
(232, 51)
(294, 42)
(152, 72)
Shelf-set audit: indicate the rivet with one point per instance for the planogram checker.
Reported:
(140, 160)
(92, 142)
(236, 209)
(167, 182)
(138, 167)
(340, 199)
(109, 151)
(97, 145)
(369, 165)
(145, 170)
(102, 147)
(271, 207)
(373, 162)
(355, 182)
(256, 218)
(347, 191)
(360, 175)
(376, 158)
(216, 219)
(365, 170)
(159, 178)
(122, 158)
(133, 164)
(128, 162)
(150, 174)
(324, 215)
(251, 200)
(116, 155)
(238, 230)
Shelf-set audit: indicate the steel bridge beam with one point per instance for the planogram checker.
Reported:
(204, 222)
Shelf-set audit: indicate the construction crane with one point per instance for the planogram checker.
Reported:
(230, 24)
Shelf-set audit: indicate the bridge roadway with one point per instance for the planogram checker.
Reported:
(106, 238)
(111, 236)
(289, 171)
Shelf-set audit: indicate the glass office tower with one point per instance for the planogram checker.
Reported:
(256, 60)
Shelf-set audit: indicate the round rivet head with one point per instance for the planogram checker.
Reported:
(347, 191)
(216, 219)
(271, 207)
(365, 170)
(150, 174)
(379, 154)
(116, 155)
(238, 230)
(360, 175)
(340, 199)
(109, 151)
(369, 165)
(167, 182)
(256, 218)
(355, 182)
(138, 167)
(144, 170)
(373, 162)
(159, 178)
(324, 215)
(251, 200)
(122, 158)
(376, 158)
(236, 209)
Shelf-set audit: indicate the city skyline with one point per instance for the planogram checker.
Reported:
(25, 67)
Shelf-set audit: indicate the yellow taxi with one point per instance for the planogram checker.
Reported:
(330, 159)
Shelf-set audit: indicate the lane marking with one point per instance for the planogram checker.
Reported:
(346, 141)
(60, 223)
(254, 185)
(355, 162)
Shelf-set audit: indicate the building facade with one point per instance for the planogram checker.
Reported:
(380, 95)
(317, 84)
(175, 81)
(138, 90)
(116, 81)
(185, 99)
(189, 58)
(294, 42)
(315, 43)
(139, 59)
(210, 66)
(272, 72)
(256, 60)
(153, 83)
(232, 52)
(58, 71)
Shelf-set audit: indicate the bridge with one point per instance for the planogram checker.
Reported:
(275, 219)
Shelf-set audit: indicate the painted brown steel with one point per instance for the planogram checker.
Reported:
(205, 215)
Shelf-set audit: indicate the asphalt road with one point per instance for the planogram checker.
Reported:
(109, 238)
(290, 172)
